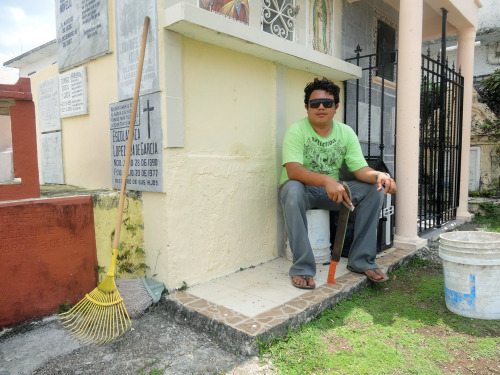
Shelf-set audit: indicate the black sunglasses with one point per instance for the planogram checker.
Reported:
(315, 103)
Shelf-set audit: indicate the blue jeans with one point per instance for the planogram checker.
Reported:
(296, 198)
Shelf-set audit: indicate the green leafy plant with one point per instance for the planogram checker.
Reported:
(184, 286)
(490, 223)
(153, 371)
(489, 92)
(126, 260)
(489, 207)
(491, 130)
(64, 307)
(100, 270)
(484, 193)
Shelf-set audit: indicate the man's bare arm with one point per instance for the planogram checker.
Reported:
(382, 180)
(334, 189)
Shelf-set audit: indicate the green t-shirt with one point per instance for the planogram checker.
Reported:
(322, 155)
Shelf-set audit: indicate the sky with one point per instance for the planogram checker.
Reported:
(25, 24)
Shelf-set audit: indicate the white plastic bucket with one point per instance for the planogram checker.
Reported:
(318, 228)
(471, 268)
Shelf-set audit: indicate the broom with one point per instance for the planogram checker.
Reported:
(101, 316)
(139, 294)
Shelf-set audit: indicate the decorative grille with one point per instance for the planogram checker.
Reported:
(278, 18)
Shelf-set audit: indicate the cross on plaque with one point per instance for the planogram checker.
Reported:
(148, 109)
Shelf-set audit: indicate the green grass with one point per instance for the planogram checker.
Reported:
(151, 371)
(400, 327)
(490, 223)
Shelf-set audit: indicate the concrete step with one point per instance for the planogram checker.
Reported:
(258, 304)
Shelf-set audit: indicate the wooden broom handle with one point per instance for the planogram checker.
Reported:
(121, 203)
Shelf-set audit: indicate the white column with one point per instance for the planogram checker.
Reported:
(408, 115)
(465, 60)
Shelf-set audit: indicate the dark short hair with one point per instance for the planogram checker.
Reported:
(322, 84)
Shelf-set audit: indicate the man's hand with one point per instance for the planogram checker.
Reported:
(386, 182)
(336, 192)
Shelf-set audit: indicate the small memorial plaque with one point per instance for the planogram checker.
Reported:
(52, 158)
(73, 92)
(130, 16)
(82, 31)
(146, 165)
(48, 105)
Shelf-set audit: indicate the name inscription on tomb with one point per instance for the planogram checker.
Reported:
(146, 163)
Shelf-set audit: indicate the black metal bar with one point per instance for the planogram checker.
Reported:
(459, 132)
(381, 145)
(358, 53)
(442, 125)
(421, 209)
(370, 107)
(448, 170)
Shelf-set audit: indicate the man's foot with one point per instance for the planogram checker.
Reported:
(303, 282)
(376, 275)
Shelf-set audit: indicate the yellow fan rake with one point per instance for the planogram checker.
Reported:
(101, 316)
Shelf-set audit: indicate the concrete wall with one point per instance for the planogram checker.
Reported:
(488, 157)
(489, 14)
(487, 48)
(86, 138)
(219, 211)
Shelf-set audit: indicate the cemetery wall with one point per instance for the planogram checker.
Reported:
(213, 207)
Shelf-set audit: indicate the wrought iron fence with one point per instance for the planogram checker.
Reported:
(441, 102)
(371, 111)
(370, 104)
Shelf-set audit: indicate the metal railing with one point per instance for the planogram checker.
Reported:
(441, 102)
(369, 103)
(370, 111)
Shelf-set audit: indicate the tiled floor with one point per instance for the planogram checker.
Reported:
(259, 289)
(260, 302)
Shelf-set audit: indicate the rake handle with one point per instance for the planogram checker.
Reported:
(121, 203)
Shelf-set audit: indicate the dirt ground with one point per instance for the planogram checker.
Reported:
(155, 345)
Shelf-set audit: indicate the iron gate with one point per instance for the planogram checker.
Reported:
(441, 102)
(371, 112)
(370, 109)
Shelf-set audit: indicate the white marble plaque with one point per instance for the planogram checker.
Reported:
(146, 165)
(474, 168)
(130, 16)
(52, 159)
(48, 105)
(82, 31)
(73, 92)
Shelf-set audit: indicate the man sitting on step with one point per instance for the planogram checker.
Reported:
(314, 149)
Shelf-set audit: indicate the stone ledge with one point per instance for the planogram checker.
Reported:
(233, 330)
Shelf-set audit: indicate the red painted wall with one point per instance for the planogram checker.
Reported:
(24, 154)
(47, 256)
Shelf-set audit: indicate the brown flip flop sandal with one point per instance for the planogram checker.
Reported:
(382, 280)
(306, 279)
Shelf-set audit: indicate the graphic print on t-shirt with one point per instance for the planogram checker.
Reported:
(324, 157)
